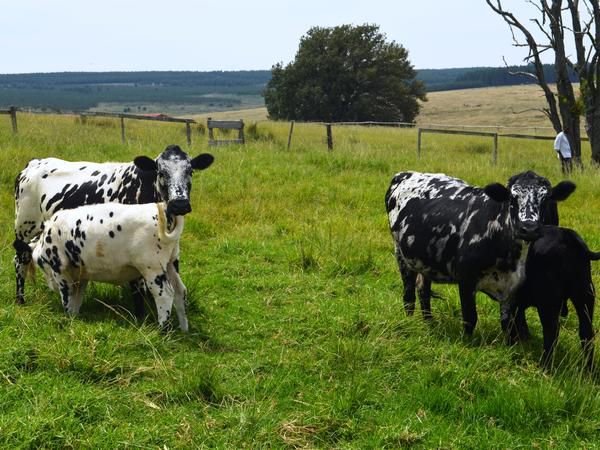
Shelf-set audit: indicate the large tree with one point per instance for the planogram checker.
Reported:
(560, 23)
(345, 73)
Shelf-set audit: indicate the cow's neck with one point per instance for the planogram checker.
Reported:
(149, 192)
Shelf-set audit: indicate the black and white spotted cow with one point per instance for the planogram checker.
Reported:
(113, 243)
(558, 268)
(49, 185)
(450, 232)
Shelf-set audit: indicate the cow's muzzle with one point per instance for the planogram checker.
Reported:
(528, 231)
(179, 207)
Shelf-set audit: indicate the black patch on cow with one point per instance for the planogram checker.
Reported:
(111, 234)
(54, 259)
(160, 280)
(95, 173)
(73, 252)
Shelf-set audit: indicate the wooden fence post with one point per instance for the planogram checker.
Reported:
(290, 135)
(419, 144)
(329, 137)
(13, 118)
(241, 133)
(495, 154)
(122, 129)
(188, 133)
(211, 134)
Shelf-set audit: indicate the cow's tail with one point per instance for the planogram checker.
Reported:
(594, 256)
(163, 224)
(25, 256)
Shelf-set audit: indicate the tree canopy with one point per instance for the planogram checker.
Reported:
(345, 73)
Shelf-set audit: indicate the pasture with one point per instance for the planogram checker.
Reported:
(298, 336)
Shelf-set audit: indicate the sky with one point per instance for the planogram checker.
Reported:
(127, 35)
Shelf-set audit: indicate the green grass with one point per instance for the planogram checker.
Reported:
(298, 335)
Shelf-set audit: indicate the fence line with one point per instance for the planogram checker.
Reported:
(432, 128)
(121, 116)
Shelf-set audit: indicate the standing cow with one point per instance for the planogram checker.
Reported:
(49, 185)
(558, 268)
(450, 232)
(113, 243)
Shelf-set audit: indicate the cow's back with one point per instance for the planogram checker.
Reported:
(108, 242)
(49, 185)
(442, 227)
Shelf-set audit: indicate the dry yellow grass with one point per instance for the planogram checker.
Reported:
(247, 115)
(505, 106)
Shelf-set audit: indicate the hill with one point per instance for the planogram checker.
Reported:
(511, 106)
(179, 93)
(184, 93)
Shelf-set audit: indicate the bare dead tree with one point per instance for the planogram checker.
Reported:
(578, 20)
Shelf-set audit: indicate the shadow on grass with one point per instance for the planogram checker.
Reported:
(113, 304)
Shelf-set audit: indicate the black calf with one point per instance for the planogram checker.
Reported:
(557, 269)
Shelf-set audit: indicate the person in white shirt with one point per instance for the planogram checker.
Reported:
(563, 148)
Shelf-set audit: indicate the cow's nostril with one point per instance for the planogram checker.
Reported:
(179, 207)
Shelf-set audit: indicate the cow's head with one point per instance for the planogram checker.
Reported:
(529, 197)
(173, 169)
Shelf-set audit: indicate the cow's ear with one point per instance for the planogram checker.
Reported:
(562, 190)
(146, 164)
(497, 192)
(202, 161)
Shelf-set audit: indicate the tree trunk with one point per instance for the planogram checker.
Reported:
(592, 126)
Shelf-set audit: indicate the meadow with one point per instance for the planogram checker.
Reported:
(298, 337)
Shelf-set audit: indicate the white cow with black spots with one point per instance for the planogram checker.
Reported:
(113, 243)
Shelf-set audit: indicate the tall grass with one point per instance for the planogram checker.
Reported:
(298, 336)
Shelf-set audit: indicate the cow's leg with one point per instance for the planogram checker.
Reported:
(21, 261)
(549, 312)
(67, 290)
(162, 291)
(584, 305)
(180, 296)
(564, 310)
(513, 321)
(409, 279)
(25, 230)
(74, 302)
(424, 290)
(467, 306)
(138, 291)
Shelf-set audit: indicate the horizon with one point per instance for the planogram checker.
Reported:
(213, 71)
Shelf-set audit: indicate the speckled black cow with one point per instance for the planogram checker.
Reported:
(49, 185)
(557, 269)
(113, 243)
(450, 232)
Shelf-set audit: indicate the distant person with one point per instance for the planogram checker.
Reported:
(563, 149)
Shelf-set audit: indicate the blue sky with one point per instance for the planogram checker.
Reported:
(92, 35)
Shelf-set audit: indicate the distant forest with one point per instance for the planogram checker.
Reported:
(475, 77)
(198, 91)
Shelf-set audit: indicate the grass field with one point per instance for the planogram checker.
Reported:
(298, 336)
